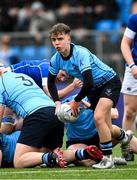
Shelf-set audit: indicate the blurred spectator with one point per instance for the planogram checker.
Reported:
(42, 19)
(36, 50)
(104, 10)
(106, 14)
(7, 54)
(7, 20)
(76, 17)
(23, 19)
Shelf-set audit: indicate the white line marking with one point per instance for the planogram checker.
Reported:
(65, 171)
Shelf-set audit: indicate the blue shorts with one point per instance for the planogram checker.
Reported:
(42, 129)
(94, 140)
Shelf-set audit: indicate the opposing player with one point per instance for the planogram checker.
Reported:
(129, 86)
(100, 84)
(38, 71)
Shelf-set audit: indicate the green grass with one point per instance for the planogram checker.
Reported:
(120, 172)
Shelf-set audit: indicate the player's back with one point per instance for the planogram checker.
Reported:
(36, 69)
(20, 93)
(83, 128)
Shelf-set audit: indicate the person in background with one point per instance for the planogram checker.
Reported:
(7, 55)
(129, 85)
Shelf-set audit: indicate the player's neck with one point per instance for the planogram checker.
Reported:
(66, 53)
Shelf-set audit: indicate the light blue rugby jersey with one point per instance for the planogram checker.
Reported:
(84, 127)
(132, 25)
(8, 145)
(81, 60)
(36, 69)
(20, 93)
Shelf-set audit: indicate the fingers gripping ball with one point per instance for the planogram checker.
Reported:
(7, 124)
(64, 114)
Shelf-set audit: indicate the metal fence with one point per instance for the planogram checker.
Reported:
(106, 45)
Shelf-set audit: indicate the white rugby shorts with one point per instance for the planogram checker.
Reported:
(129, 84)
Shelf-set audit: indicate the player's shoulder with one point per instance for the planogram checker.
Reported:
(80, 49)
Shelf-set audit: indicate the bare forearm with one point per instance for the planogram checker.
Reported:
(126, 50)
(64, 92)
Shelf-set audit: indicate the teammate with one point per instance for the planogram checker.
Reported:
(129, 86)
(7, 148)
(20, 93)
(100, 84)
(8, 145)
(83, 132)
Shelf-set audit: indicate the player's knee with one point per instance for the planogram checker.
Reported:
(98, 119)
(130, 114)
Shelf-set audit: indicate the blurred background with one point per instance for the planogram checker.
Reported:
(96, 24)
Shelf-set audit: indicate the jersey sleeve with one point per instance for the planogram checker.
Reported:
(44, 72)
(132, 24)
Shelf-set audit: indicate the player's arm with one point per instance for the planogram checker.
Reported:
(87, 86)
(53, 90)
(8, 121)
(70, 88)
(126, 44)
(126, 49)
(65, 91)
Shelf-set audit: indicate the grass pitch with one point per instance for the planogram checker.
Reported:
(120, 172)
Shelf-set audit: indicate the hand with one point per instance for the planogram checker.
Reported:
(62, 76)
(7, 124)
(58, 104)
(85, 103)
(134, 71)
(77, 83)
(74, 107)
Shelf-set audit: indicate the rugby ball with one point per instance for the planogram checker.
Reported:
(64, 114)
